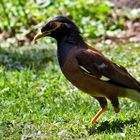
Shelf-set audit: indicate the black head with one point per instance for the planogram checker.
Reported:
(59, 28)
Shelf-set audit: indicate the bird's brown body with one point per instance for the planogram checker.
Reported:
(86, 82)
(88, 69)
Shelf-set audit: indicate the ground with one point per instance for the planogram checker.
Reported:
(39, 103)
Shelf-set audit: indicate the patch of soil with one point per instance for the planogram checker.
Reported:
(126, 3)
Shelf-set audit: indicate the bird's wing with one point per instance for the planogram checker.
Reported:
(95, 64)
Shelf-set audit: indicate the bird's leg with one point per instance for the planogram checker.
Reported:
(103, 104)
(100, 112)
(115, 103)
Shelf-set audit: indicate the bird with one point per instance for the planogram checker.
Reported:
(88, 69)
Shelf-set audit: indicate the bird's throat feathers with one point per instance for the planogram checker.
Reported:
(62, 52)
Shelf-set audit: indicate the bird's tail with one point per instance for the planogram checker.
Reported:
(133, 94)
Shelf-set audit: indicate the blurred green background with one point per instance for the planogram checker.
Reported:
(95, 18)
(36, 101)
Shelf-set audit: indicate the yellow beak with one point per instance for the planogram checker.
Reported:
(41, 34)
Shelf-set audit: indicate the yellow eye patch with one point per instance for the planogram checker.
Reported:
(54, 26)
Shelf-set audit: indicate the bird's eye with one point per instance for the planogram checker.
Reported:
(52, 25)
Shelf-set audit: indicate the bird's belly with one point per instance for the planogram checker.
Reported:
(87, 83)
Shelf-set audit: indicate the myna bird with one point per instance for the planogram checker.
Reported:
(88, 69)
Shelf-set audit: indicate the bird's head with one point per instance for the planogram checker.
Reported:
(59, 28)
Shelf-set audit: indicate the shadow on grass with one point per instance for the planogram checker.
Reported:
(115, 126)
(18, 58)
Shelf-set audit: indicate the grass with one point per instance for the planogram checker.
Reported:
(37, 102)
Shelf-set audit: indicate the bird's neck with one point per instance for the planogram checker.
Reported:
(70, 37)
(66, 44)
(62, 52)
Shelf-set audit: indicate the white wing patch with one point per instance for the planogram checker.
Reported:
(103, 65)
(102, 78)
(84, 69)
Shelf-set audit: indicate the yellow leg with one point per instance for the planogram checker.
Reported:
(96, 117)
